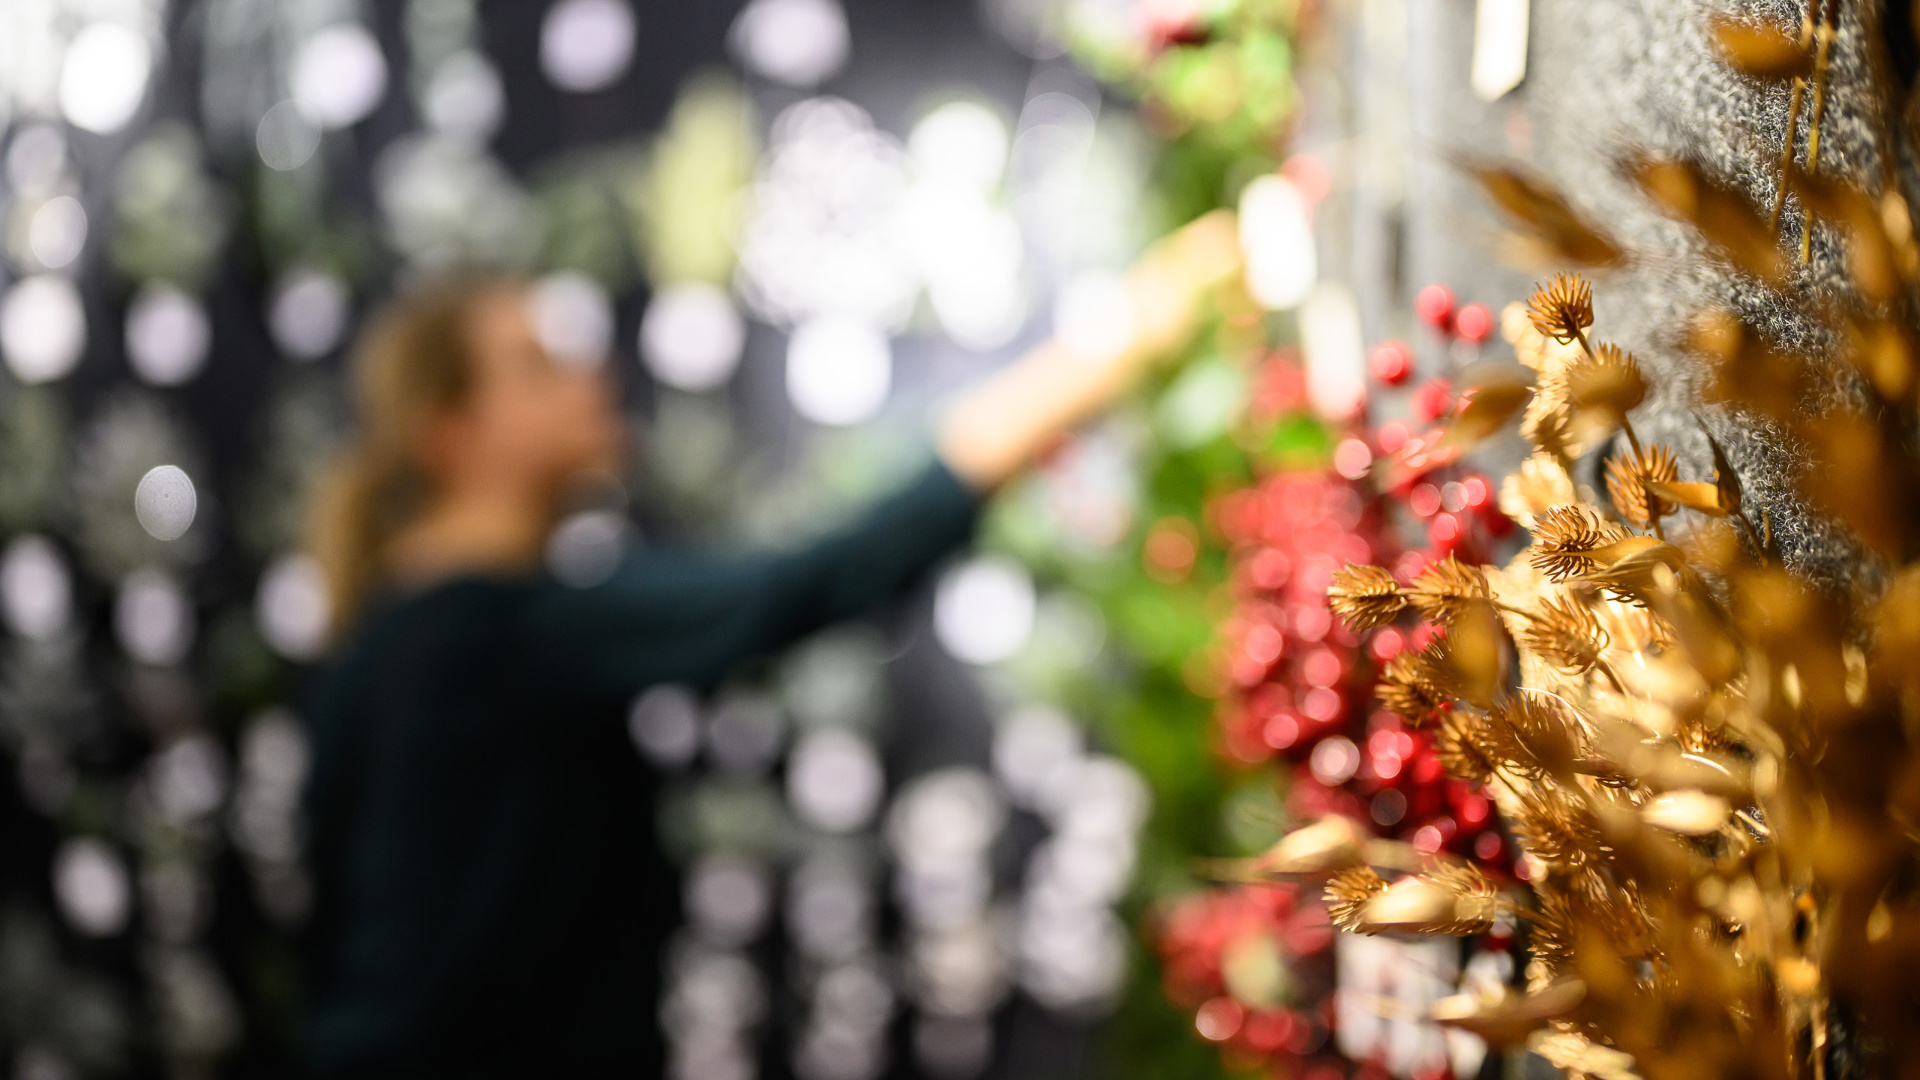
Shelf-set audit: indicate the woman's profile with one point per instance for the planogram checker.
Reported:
(491, 898)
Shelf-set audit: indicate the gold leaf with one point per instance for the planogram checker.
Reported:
(1760, 52)
(1690, 812)
(1489, 408)
(1692, 494)
(1508, 1020)
(1723, 215)
(1330, 844)
(1547, 215)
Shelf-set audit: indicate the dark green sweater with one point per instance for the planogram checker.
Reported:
(491, 894)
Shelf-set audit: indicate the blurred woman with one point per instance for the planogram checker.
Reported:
(491, 896)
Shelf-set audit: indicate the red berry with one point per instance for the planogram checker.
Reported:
(1474, 323)
(1433, 400)
(1392, 363)
(1434, 305)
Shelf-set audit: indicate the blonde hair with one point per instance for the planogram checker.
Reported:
(414, 361)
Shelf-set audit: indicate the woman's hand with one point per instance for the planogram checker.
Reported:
(999, 426)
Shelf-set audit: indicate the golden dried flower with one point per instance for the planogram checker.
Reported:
(1475, 901)
(1566, 634)
(1532, 734)
(1458, 744)
(1565, 537)
(1562, 308)
(1414, 684)
(1629, 483)
(1609, 380)
(1553, 828)
(1538, 485)
(1348, 893)
(1444, 590)
(1365, 596)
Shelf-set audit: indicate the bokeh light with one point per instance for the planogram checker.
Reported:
(57, 232)
(165, 502)
(692, 336)
(168, 335)
(338, 76)
(291, 607)
(984, 610)
(104, 76)
(308, 316)
(285, 138)
(839, 370)
(586, 45)
(799, 43)
(43, 328)
(36, 592)
(572, 318)
(153, 618)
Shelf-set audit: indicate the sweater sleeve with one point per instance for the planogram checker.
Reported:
(690, 617)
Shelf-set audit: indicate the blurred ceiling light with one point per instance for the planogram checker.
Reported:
(286, 139)
(839, 370)
(291, 607)
(36, 157)
(729, 899)
(1036, 751)
(338, 76)
(308, 316)
(57, 231)
(664, 724)
(465, 98)
(91, 883)
(746, 734)
(153, 618)
(36, 592)
(944, 817)
(586, 45)
(165, 502)
(691, 336)
(104, 77)
(1094, 314)
(953, 1047)
(820, 235)
(190, 777)
(799, 43)
(834, 780)
(961, 141)
(585, 547)
(1276, 234)
(43, 328)
(983, 610)
(573, 318)
(969, 253)
(1330, 335)
(168, 335)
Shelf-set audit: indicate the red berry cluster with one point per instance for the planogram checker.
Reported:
(1213, 944)
(1293, 682)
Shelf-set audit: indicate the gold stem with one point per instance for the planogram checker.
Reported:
(1786, 156)
(1824, 34)
(1606, 669)
(1585, 346)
